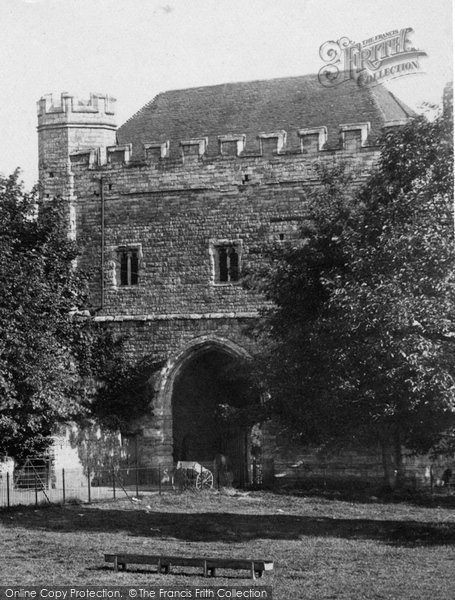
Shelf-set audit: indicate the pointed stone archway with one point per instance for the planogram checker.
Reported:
(197, 389)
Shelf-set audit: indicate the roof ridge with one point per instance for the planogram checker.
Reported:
(247, 81)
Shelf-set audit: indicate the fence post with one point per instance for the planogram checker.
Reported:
(159, 478)
(63, 486)
(36, 492)
(7, 490)
(89, 491)
(136, 460)
(113, 484)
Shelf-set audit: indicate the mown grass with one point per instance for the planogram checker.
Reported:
(321, 548)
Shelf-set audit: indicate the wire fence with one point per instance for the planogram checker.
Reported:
(40, 482)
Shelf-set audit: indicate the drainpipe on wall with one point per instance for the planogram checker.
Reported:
(102, 242)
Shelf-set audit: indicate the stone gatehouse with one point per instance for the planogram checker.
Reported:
(172, 207)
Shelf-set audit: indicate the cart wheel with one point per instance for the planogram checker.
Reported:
(204, 480)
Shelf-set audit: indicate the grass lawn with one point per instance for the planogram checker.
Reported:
(321, 548)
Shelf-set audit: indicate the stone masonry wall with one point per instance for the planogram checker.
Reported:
(173, 211)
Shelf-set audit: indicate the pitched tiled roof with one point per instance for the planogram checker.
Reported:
(253, 107)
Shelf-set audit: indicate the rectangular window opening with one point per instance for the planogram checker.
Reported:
(226, 263)
(129, 267)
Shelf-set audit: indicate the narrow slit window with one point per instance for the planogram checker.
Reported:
(233, 265)
(134, 266)
(124, 268)
(129, 267)
(223, 264)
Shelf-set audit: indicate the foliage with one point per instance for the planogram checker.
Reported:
(126, 394)
(242, 407)
(51, 351)
(99, 450)
(360, 341)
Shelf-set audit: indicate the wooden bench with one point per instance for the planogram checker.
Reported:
(209, 565)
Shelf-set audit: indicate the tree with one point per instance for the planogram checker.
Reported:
(360, 341)
(51, 351)
(126, 394)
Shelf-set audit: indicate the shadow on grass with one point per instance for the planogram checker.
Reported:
(227, 527)
(182, 572)
(440, 499)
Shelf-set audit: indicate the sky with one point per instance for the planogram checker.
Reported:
(134, 49)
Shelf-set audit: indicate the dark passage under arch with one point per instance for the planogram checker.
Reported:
(210, 401)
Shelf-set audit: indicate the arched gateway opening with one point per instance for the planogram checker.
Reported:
(211, 398)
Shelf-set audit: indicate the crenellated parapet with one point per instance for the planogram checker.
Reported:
(353, 137)
(67, 125)
(68, 109)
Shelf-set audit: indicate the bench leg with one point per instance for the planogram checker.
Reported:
(115, 563)
(205, 568)
(253, 573)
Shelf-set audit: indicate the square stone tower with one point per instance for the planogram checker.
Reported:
(67, 126)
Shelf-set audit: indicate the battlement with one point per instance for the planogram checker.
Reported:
(99, 108)
(353, 137)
